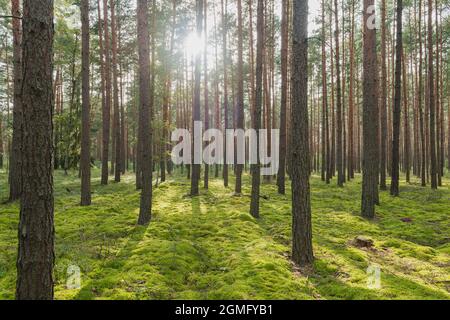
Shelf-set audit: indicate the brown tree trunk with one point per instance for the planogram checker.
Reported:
(339, 120)
(240, 121)
(256, 168)
(383, 104)
(116, 117)
(302, 250)
(145, 110)
(16, 158)
(86, 112)
(351, 153)
(206, 92)
(431, 99)
(106, 112)
(370, 116)
(395, 184)
(36, 254)
(420, 103)
(196, 117)
(406, 133)
(225, 88)
(281, 178)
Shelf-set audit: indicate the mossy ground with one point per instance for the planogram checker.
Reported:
(210, 248)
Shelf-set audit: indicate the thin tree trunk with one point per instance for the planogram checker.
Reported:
(351, 153)
(16, 157)
(395, 184)
(256, 168)
(225, 88)
(196, 117)
(383, 105)
(431, 99)
(145, 110)
(116, 117)
(106, 112)
(86, 113)
(240, 121)
(281, 178)
(339, 120)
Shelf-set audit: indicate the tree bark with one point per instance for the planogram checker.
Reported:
(116, 117)
(106, 112)
(225, 88)
(36, 254)
(339, 120)
(240, 121)
(86, 112)
(302, 250)
(370, 116)
(196, 117)
(145, 110)
(431, 99)
(16, 157)
(383, 105)
(256, 168)
(281, 178)
(395, 184)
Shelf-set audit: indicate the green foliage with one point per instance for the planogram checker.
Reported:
(210, 248)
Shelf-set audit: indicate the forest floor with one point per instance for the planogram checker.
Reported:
(211, 248)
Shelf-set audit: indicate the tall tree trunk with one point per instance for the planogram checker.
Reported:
(339, 120)
(116, 117)
(106, 112)
(36, 254)
(431, 99)
(145, 110)
(206, 92)
(240, 121)
(164, 165)
(86, 112)
(281, 178)
(302, 250)
(256, 168)
(16, 158)
(383, 104)
(351, 153)
(225, 87)
(406, 133)
(420, 103)
(196, 117)
(370, 114)
(395, 184)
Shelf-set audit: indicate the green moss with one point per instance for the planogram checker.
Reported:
(211, 248)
